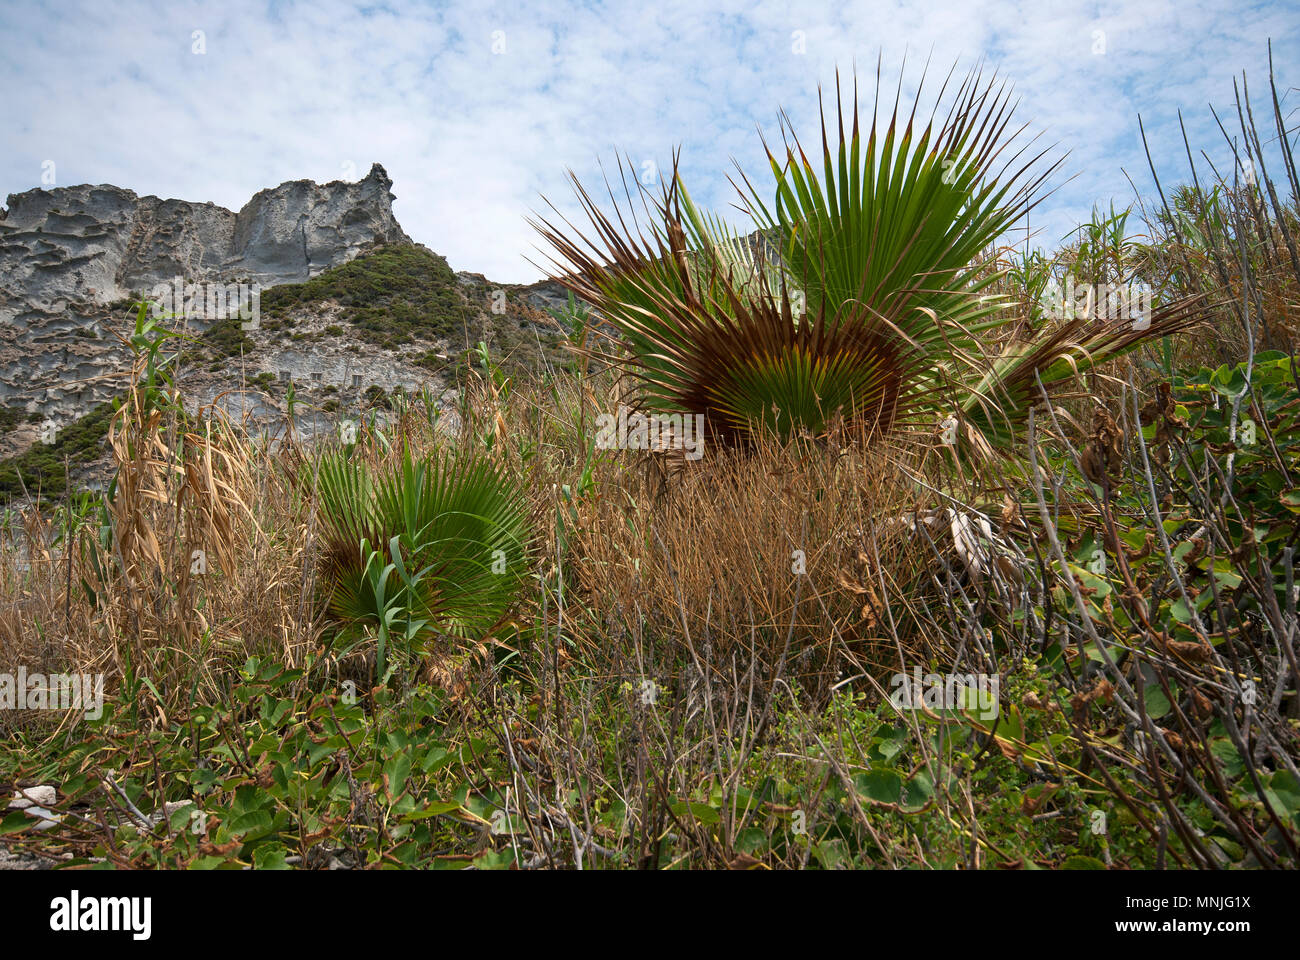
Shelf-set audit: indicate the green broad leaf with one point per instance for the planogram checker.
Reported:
(1230, 848)
(1157, 703)
(318, 751)
(1011, 726)
(435, 759)
(270, 856)
(182, 817)
(1226, 753)
(1283, 792)
(1225, 577)
(918, 791)
(251, 825)
(888, 749)
(831, 854)
(752, 841)
(698, 811)
(1229, 383)
(882, 785)
(281, 771)
(15, 823)
(397, 769)
(264, 744)
(494, 860)
(436, 810)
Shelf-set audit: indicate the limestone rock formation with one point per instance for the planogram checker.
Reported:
(103, 243)
(383, 315)
(67, 254)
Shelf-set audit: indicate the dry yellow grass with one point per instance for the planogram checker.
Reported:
(198, 560)
(783, 563)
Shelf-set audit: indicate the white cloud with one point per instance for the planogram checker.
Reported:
(114, 93)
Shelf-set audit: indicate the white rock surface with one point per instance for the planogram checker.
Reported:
(27, 797)
(45, 819)
(33, 802)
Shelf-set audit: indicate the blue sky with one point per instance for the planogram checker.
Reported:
(477, 109)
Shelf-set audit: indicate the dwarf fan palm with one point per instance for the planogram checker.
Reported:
(427, 547)
(863, 296)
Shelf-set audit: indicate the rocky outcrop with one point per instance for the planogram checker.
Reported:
(104, 243)
(69, 253)
(74, 259)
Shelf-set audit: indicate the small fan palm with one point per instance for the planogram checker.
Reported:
(864, 297)
(435, 546)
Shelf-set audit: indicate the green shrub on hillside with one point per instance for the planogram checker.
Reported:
(44, 467)
(394, 295)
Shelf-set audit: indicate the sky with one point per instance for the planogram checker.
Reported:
(477, 110)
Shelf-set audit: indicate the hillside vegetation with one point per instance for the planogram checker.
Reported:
(404, 297)
(392, 295)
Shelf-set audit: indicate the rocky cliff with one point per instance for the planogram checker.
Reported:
(70, 255)
(104, 243)
(349, 309)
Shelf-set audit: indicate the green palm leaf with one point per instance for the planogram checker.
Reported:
(441, 541)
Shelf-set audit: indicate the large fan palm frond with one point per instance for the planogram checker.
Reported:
(902, 222)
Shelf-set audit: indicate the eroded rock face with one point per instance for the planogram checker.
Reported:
(68, 253)
(103, 243)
